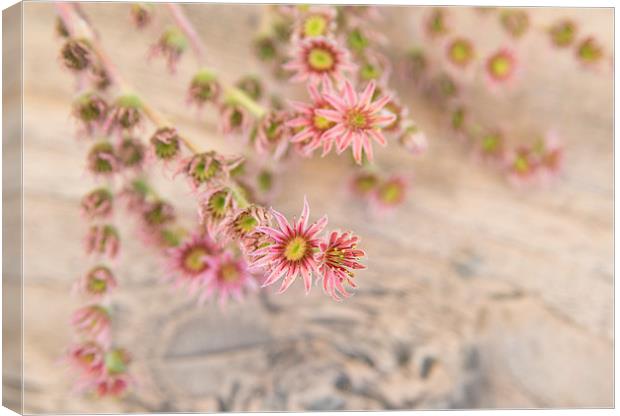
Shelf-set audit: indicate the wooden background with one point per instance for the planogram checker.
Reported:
(476, 294)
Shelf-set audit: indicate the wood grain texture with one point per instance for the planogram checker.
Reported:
(476, 294)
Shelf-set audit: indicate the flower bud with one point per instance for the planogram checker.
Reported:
(116, 360)
(98, 282)
(158, 213)
(362, 184)
(515, 22)
(76, 54)
(141, 14)
(91, 110)
(414, 140)
(204, 88)
(165, 143)
(171, 45)
(130, 153)
(265, 48)
(97, 203)
(563, 33)
(102, 159)
(103, 240)
(126, 113)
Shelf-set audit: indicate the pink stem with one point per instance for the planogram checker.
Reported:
(186, 26)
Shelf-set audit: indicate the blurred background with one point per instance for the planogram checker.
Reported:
(477, 294)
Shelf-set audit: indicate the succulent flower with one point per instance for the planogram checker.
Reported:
(230, 278)
(93, 321)
(414, 140)
(319, 59)
(436, 24)
(97, 283)
(252, 86)
(234, 118)
(272, 134)
(91, 110)
(204, 88)
(102, 240)
(563, 33)
(76, 54)
(141, 14)
(390, 193)
(290, 251)
(501, 67)
(589, 51)
(362, 184)
(171, 45)
(338, 257)
(207, 170)
(460, 52)
(88, 358)
(102, 159)
(189, 264)
(215, 206)
(516, 22)
(131, 153)
(242, 226)
(97, 203)
(165, 143)
(125, 114)
(358, 120)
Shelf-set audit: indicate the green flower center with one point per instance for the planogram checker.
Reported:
(246, 223)
(321, 123)
(589, 51)
(365, 184)
(203, 171)
(218, 204)
(229, 273)
(521, 164)
(195, 259)
(166, 150)
(357, 119)
(315, 26)
(357, 41)
(500, 66)
(491, 143)
(391, 193)
(461, 52)
(321, 59)
(97, 285)
(296, 249)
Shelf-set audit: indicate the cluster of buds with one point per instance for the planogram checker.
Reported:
(171, 45)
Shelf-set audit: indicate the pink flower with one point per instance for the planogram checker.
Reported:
(310, 127)
(171, 46)
(318, 59)
(97, 283)
(102, 160)
(113, 386)
(414, 140)
(97, 204)
(273, 134)
(390, 193)
(189, 263)
(338, 256)
(242, 227)
(501, 68)
(207, 170)
(291, 250)
(91, 111)
(230, 278)
(234, 118)
(87, 357)
(358, 120)
(102, 240)
(522, 166)
(93, 321)
(215, 206)
(314, 22)
(551, 154)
